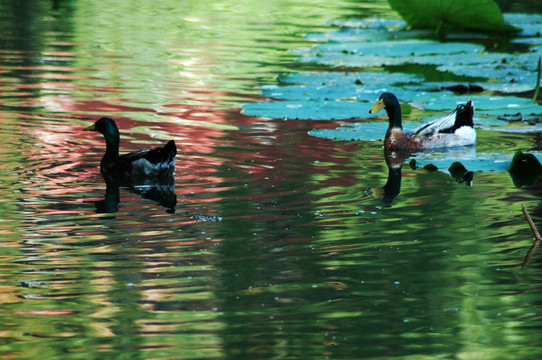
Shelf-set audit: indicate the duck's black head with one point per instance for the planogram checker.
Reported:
(389, 102)
(105, 126)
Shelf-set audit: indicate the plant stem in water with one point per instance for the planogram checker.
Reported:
(537, 86)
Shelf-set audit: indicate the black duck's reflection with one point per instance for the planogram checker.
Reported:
(392, 188)
(160, 190)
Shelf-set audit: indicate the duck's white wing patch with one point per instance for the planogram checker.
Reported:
(464, 136)
(434, 127)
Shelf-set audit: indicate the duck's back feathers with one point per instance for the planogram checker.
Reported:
(455, 129)
(156, 162)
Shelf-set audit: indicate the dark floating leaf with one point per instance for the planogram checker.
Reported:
(511, 117)
(457, 170)
(525, 169)
(464, 89)
(460, 173)
(430, 167)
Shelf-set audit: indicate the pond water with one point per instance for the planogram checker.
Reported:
(274, 243)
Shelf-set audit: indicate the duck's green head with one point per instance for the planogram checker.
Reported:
(386, 101)
(105, 126)
(389, 102)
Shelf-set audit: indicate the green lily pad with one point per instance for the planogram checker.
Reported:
(307, 109)
(366, 131)
(529, 24)
(457, 14)
(323, 93)
(503, 74)
(368, 78)
(533, 129)
(306, 102)
(402, 48)
(481, 103)
(533, 111)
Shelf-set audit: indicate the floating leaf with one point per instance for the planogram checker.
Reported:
(482, 15)
(482, 103)
(528, 23)
(524, 130)
(367, 78)
(307, 109)
(395, 48)
(525, 169)
(366, 131)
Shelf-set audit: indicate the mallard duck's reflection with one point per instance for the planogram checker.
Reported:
(158, 189)
(395, 159)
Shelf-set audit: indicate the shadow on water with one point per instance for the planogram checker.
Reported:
(158, 189)
(395, 161)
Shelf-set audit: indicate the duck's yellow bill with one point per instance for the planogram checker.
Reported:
(378, 106)
(90, 128)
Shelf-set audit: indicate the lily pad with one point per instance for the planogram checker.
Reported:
(457, 14)
(481, 102)
(366, 131)
(324, 93)
(306, 109)
(529, 24)
(395, 48)
(524, 130)
(324, 78)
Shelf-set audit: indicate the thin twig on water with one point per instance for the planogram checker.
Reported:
(536, 236)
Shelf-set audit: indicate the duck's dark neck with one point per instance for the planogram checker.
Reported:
(112, 141)
(394, 115)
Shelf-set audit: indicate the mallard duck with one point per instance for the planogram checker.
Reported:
(141, 164)
(455, 129)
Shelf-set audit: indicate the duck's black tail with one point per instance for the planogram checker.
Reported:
(464, 115)
(170, 149)
(163, 154)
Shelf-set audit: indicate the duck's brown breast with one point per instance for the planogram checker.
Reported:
(396, 139)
